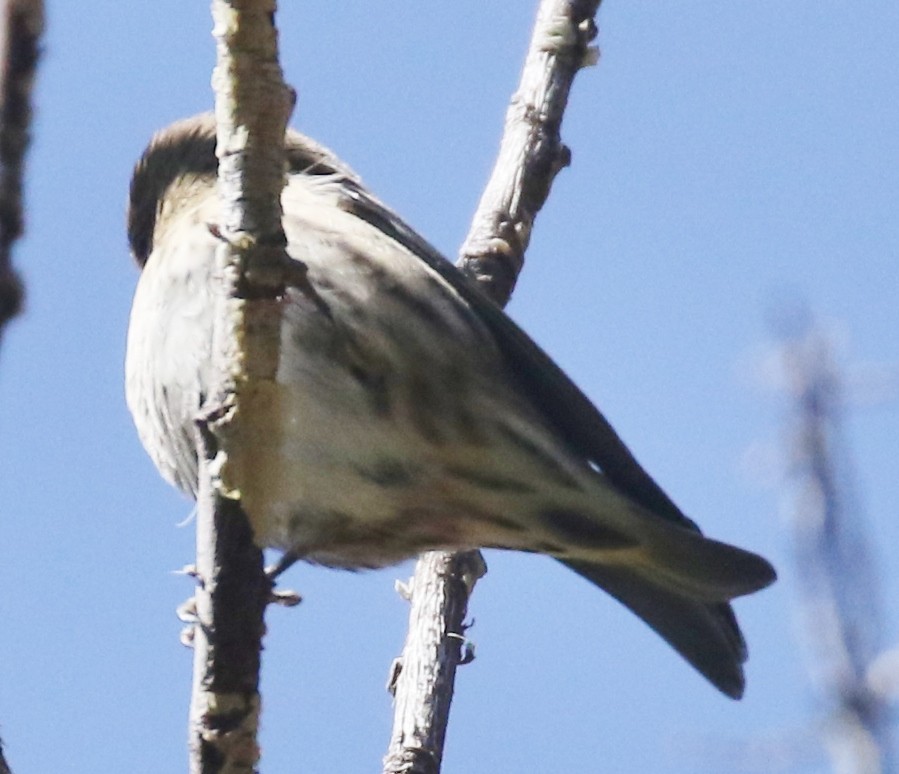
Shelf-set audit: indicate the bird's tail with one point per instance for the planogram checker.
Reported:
(680, 583)
(706, 634)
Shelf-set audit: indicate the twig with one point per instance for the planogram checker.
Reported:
(531, 154)
(252, 107)
(23, 23)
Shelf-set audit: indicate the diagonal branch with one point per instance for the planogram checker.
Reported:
(252, 108)
(531, 153)
(530, 156)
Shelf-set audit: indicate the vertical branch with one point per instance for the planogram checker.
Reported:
(424, 675)
(531, 154)
(252, 107)
(231, 601)
(839, 599)
(22, 25)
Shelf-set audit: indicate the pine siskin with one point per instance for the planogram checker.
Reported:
(413, 415)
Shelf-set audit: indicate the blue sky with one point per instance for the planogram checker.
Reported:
(723, 154)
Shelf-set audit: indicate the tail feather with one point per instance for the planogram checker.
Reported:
(668, 554)
(701, 568)
(706, 634)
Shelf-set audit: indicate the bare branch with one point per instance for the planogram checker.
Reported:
(227, 639)
(252, 108)
(23, 23)
(531, 152)
(530, 156)
(423, 678)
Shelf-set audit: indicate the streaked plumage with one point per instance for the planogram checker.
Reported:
(413, 415)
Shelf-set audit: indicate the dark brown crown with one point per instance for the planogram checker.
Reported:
(187, 147)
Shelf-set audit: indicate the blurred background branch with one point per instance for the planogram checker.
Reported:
(20, 36)
(838, 580)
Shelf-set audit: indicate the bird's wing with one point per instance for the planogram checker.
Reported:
(578, 422)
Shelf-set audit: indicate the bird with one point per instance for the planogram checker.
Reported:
(409, 412)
